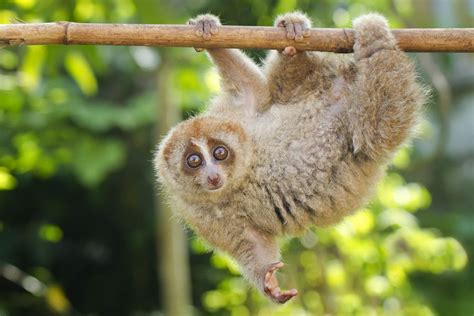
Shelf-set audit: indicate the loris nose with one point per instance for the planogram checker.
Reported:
(213, 179)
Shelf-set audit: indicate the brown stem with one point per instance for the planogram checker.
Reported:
(331, 40)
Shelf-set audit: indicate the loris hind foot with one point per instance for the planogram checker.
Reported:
(371, 35)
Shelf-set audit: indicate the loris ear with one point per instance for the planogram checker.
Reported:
(241, 78)
(169, 150)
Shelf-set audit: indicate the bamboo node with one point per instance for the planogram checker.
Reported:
(66, 37)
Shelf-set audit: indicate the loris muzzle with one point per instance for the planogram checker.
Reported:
(297, 142)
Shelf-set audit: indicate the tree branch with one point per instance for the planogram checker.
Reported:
(331, 40)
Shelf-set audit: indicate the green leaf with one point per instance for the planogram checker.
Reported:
(80, 70)
(31, 67)
(95, 159)
(7, 181)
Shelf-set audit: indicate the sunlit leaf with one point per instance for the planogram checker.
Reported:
(6, 16)
(30, 69)
(88, 10)
(349, 303)
(214, 300)
(314, 302)
(7, 181)
(124, 9)
(29, 152)
(240, 311)
(57, 300)
(8, 59)
(58, 96)
(223, 261)
(198, 246)
(335, 274)
(51, 233)
(25, 4)
(12, 101)
(80, 70)
(377, 286)
(396, 274)
(362, 221)
(212, 81)
(402, 158)
(396, 218)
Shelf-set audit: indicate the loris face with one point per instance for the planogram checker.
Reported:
(202, 157)
(207, 163)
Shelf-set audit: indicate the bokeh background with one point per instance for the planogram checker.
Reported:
(83, 231)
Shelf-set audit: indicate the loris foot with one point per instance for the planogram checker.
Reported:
(272, 288)
(371, 35)
(206, 25)
(297, 27)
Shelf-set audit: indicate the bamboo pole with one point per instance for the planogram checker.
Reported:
(171, 241)
(331, 40)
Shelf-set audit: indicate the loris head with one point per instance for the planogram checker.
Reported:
(204, 157)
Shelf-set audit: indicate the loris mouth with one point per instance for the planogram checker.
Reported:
(214, 187)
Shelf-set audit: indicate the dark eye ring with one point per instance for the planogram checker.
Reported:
(220, 153)
(194, 160)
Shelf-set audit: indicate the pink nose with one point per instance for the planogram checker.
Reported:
(214, 179)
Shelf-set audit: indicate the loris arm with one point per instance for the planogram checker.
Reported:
(384, 99)
(292, 74)
(258, 255)
(256, 252)
(241, 78)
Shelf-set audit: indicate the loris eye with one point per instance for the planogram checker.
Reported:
(194, 160)
(220, 153)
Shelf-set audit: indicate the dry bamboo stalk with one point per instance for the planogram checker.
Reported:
(333, 40)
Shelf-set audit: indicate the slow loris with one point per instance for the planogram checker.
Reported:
(300, 141)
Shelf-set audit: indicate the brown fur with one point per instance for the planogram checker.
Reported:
(310, 135)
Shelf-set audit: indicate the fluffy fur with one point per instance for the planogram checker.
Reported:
(309, 134)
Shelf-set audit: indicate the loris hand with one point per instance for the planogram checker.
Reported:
(297, 27)
(271, 287)
(206, 26)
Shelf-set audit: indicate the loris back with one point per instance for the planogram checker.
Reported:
(298, 142)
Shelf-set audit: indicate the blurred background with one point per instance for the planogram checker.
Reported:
(82, 228)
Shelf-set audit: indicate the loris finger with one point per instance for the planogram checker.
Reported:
(206, 30)
(214, 28)
(290, 30)
(283, 297)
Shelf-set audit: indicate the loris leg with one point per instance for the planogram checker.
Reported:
(292, 74)
(240, 76)
(384, 99)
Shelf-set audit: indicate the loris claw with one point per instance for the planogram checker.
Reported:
(300, 142)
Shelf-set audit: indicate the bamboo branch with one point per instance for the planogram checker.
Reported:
(332, 40)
